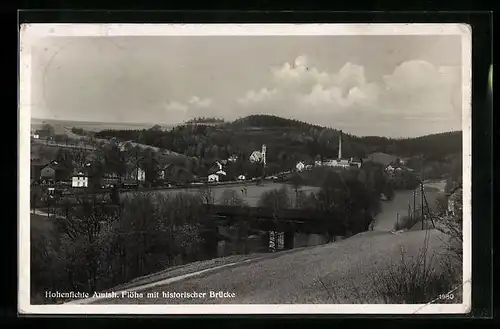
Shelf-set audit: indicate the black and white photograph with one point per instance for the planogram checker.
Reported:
(245, 169)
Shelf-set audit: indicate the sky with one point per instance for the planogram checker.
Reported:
(395, 86)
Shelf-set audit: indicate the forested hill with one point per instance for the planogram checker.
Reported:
(289, 141)
(430, 146)
(270, 121)
(433, 146)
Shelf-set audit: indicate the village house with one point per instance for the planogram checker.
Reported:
(80, 178)
(172, 169)
(135, 173)
(165, 171)
(212, 178)
(39, 158)
(53, 172)
(453, 201)
(300, 166)
(41, 134)
(110, 179)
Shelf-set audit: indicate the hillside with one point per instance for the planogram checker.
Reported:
(289, 141)
(435, 145)
(270, 121)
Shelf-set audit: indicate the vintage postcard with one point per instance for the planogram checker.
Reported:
(245, 169)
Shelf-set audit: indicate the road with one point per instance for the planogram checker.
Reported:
(67, 146)
(340, 272)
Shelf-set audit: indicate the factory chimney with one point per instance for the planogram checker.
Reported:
(340, 145)
(264, 154)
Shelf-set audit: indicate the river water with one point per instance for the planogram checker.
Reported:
(399, 204)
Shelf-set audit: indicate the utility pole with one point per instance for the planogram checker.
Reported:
(264, 161)
(397, 220)
(414, 209)
(137, 166)
(422, 201)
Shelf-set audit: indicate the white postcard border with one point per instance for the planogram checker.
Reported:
(30, 32)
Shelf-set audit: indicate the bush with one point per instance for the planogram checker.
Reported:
(231, 197)
(414, 280)
(451, 224)
(276, 199)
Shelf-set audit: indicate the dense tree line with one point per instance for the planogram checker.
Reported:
(349, 196)
(205, 120)
(97, 246)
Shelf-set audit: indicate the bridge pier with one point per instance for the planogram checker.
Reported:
(289, 240)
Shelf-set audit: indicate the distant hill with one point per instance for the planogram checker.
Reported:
(36, 123)
(429, 146)
(270, 121)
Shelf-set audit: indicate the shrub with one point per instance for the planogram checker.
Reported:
(451, 225)
(414, 280)
(231, 197)
(276, 199)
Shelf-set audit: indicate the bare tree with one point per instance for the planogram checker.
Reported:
(230, 197)
(297, 183)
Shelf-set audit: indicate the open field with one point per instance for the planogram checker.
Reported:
(252, 196)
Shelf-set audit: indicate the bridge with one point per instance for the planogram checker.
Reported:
(283, 224)
(297, 220)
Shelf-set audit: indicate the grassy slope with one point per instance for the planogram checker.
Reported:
(346, 268)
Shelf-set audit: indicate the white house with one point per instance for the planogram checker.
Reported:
(317, 163)
(300, 166)
(233, 158)
(337, 163)
(241, 177)
(80, 179)
(256, 157)
(213, 178)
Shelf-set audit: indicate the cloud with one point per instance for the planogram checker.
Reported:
(194, 107)
(418, 86)
(175, 111)
(363, 95)
(262, 95)
(416, 91)
(200, 102)
(300, 87)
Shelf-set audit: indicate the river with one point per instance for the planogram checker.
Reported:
(399, 204)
